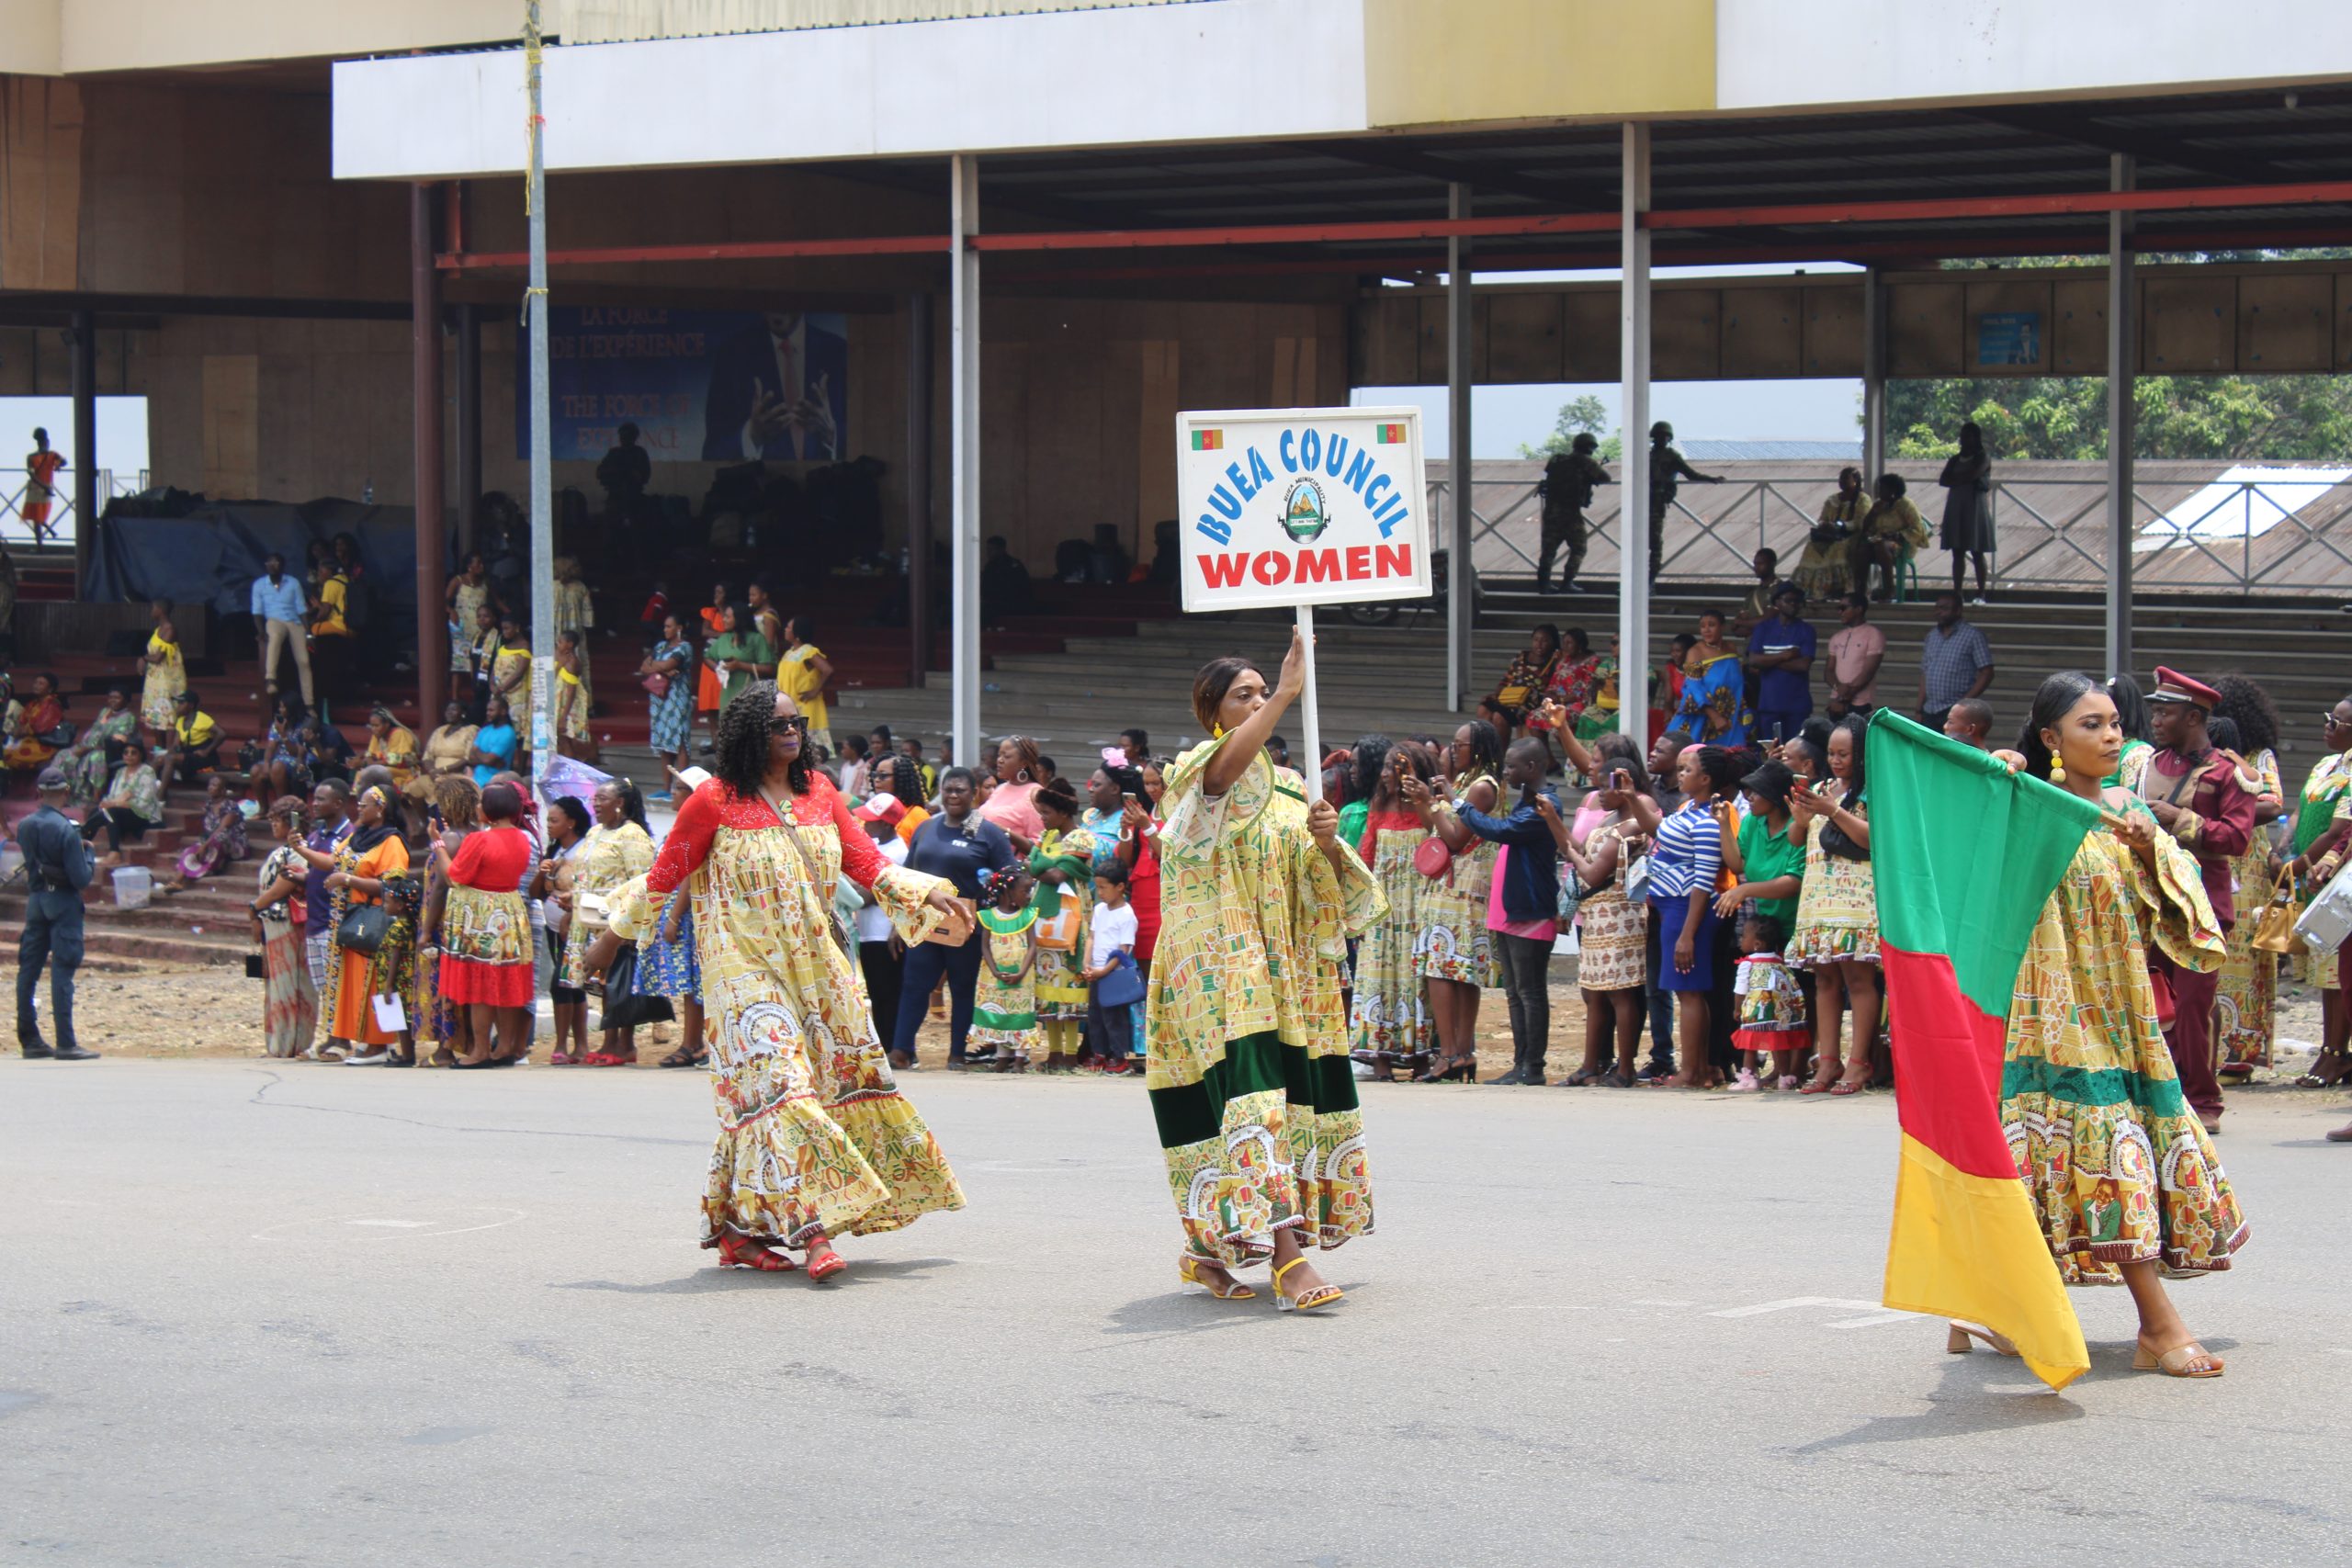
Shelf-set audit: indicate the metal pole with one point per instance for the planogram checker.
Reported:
(431, 540)
(1633, 565)
(2122, 366)
(542, 459)
(468, 429)
(964, 442)
(918, 471)
(89, 505)
(1459, 582)
(1873, 379)
(1312, 717)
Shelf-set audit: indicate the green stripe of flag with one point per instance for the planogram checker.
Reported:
(1965, 853)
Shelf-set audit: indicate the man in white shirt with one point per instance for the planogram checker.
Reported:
(881, 957)
(1855, 655)
(281, 612)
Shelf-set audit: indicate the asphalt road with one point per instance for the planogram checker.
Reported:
(257, 1316)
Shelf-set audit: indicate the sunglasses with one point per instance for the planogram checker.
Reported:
(795, 725)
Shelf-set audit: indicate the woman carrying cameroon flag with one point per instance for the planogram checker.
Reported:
(1981, 877)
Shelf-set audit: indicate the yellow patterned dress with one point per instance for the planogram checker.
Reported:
(1454, 942)
(2246, 1006)
(2118, 1167)
(1388, 1013)
(165, 681)
(1249, 1080)
(605, 858)
(812, 1131)
(2321, 805)
(1061, 989)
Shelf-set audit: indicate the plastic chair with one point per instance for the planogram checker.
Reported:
(1906, 577)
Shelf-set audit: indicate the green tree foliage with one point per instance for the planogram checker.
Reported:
(2231, 418)
(1587, 416)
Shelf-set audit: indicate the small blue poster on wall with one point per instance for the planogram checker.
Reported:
(2008, 337)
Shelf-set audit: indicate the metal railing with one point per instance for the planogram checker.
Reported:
(2288, 531)
(15, 528)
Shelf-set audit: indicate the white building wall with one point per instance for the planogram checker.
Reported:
(1770, 53)
(1232, 69)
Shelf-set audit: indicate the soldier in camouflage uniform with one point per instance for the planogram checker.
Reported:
(1566, 490)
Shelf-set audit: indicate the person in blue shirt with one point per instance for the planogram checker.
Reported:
(493, 742)
(57, 867)
(1780, 655)
(281, 610)
(1529, 885)
(957, 844)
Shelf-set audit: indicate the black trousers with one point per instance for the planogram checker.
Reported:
(1110, 1031)
(118, 822)
(1526, 963)
(883, 977)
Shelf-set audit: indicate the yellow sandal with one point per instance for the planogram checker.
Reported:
(1189, 1268)
(1321, 1296)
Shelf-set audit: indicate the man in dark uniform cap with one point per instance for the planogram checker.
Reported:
(2194, 791)
(57, 867)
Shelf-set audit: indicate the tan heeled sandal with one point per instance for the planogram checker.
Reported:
(2174, 1362)
(1962, 1336)
(1189, 1268)
(1321, 1296)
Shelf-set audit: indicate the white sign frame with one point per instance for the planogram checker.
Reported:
(1368, 510)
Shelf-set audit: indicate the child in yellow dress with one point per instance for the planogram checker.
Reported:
(1004, 1012)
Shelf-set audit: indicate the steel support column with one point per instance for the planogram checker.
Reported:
(1634, 564)
(1459, 601)
(1873, 379)
(2122, 366)
(468, 431)
(917, 470)
(89, 505)
(964, 448)
(432, 542)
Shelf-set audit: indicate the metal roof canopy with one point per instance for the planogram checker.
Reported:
(2237, 171)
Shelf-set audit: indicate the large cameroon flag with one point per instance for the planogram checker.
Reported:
(1965, 854)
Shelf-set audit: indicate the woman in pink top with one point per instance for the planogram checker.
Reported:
(1011, 804)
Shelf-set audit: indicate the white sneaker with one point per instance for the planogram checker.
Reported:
(369, 1059)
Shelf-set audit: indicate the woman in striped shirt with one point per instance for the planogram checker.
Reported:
(1686, 857)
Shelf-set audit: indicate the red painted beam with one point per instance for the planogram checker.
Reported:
(744, 250)
(1303, 233)
(2208, 197)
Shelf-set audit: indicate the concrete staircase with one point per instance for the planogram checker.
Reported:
(204, 924)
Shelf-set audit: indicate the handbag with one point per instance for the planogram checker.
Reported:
(1434, 858)
(363, 929)
(2275, 930)
(656, 687)
(1637, 880)
(625, 1007)
(591, 912)
(939, 936)
(254, 967)
(1123, 987)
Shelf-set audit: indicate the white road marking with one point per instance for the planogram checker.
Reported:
(400, 1224)
(1874, 1314)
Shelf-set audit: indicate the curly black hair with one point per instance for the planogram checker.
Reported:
(743, 738)
(2256, 714)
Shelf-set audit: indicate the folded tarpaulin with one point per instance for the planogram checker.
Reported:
(211, 554)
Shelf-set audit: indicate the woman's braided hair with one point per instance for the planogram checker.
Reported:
(743, 736)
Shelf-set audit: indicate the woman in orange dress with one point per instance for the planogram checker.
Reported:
(707, 687)
(358, 869)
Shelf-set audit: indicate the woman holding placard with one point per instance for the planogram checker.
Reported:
(1249, 1079)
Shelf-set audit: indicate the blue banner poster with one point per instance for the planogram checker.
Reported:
(700, 386)
(2008, 337)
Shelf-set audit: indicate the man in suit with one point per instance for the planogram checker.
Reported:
(57, 867)
(775, 393)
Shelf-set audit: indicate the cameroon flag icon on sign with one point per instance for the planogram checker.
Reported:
(1211, 440)
(1390, 434)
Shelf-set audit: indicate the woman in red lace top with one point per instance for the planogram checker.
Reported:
(814, 1139)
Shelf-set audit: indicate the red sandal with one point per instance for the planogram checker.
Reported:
(738, 1254)
(823, 1266)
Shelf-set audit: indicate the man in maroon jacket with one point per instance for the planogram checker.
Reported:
(2194, 791)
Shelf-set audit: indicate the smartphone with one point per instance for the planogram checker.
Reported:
(1620, 779)
(1776, 732)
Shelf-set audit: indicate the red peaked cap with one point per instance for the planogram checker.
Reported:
(2172, 686)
